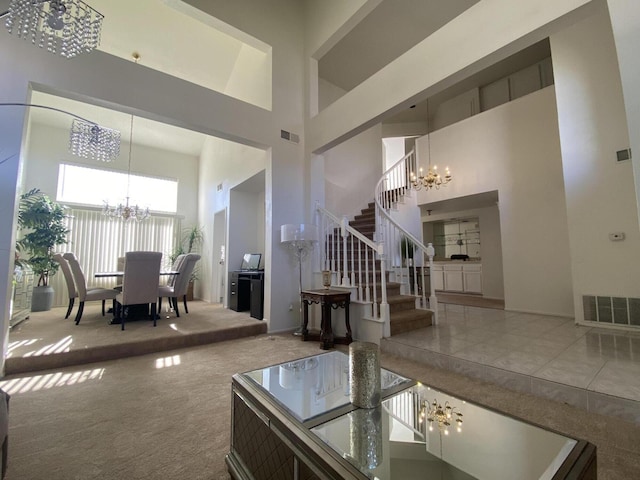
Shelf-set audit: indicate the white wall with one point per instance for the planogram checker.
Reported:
(515, 150)
(600, 192)
(246, 226)
(352, 170)
(625, 17)
(219, 165)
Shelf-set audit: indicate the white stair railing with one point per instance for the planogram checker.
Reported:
(352, 259)
(403, 247)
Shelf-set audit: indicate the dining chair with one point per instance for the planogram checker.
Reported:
(68, 278)
(140, 283)
(87, 294)
(180, 285)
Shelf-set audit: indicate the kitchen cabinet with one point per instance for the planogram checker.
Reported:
(458, 277)
(472, 278)
(453, 278)
(437, 277)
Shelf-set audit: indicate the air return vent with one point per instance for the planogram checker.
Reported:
(611, 310)
(289, 137)
(623, 155)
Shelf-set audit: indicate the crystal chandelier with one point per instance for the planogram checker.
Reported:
(127, 212)
(87, 139)
(64, 27)
(432, 179)
(442, 416)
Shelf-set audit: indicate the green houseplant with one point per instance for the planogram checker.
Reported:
(189, 242)
(42, 225)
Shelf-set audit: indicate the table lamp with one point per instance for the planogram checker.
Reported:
(300, 240)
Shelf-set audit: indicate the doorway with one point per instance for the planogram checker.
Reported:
(219, 257)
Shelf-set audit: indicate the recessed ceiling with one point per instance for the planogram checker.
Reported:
(390, 30)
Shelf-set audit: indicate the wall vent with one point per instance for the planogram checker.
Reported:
(612, 310)
(289, 137)
(623, 155)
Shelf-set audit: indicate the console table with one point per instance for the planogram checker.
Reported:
(294, 421)
(328, 299)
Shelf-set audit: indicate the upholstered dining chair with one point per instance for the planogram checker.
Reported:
(87, 294)
(140, 283)
(180, 285)
(68, 278)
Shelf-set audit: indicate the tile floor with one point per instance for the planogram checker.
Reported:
(592, 368)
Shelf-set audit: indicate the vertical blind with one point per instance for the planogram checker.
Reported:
(98, 241)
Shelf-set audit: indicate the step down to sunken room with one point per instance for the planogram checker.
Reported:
(47, 341)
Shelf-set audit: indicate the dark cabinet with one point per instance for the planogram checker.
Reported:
(246, 292)
(257, 302)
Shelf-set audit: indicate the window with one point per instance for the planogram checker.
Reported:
(92, 186)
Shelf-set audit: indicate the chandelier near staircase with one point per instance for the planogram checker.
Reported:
(63, 27)
(127, 212)
(432, 179)
(442, 416)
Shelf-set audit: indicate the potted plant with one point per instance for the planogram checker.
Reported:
(42, 225)
(190, 241)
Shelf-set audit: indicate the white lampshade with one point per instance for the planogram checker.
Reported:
(298, 233)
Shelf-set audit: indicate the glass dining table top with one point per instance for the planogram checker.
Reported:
(316, 385)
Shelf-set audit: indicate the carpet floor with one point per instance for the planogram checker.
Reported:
(168, 415)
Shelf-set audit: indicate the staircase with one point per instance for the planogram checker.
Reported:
(403, 314)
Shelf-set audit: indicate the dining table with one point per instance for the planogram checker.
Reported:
(120, 273)
(133, 311)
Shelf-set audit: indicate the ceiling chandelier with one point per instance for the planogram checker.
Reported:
(441, 416)
(64, 27)
(87, 139)
(432, 179)
(127, 212)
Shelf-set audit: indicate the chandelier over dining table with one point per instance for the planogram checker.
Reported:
(125, 211)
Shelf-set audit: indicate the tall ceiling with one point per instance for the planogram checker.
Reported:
(391, 29)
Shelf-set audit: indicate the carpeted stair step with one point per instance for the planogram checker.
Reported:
(400, 303)
(408, 320)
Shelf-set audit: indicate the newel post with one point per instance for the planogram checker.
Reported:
(433, 301)
(344, 223)
(384, 306)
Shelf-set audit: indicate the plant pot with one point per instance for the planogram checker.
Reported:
(42, 299)
(190, 291)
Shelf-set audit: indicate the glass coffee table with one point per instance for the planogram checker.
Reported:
(295, 421)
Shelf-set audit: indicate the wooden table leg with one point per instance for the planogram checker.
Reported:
(346, 319)
(326, 336)
(305, 320)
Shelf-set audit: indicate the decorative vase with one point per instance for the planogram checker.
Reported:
(364, 374)
(42, 299)
(326, 279)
